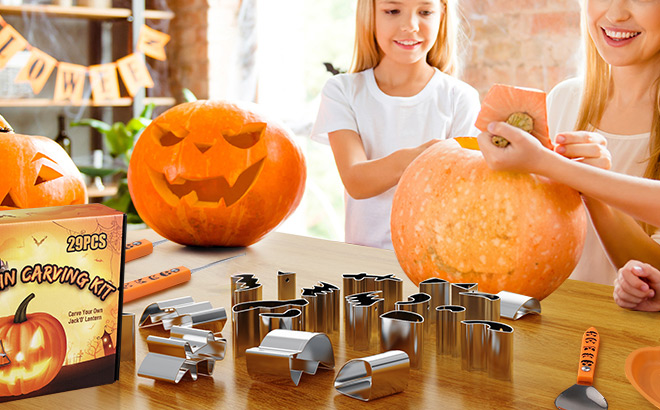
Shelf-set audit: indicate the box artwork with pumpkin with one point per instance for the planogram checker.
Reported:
(61, 276)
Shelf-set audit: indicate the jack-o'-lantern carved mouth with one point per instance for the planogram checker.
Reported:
(16, 372)
(206, 192)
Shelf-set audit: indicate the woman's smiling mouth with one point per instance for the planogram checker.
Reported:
(619, 36)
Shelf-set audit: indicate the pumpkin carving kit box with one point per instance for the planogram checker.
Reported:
(61, 288)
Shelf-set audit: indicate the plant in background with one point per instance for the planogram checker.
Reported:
(119, 140)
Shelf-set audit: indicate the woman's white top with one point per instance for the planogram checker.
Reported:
(629, 153)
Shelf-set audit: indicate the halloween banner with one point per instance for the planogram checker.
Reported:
(70, 78)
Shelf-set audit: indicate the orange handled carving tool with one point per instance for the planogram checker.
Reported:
(140, 248)
(162, 280)
(583, 395)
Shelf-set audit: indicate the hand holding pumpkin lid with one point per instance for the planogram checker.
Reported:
(521, 107)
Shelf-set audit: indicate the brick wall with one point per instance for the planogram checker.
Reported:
(187, 51)
(530, 43)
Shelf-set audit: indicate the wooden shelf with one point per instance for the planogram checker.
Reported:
(88, 13)
(46, 102)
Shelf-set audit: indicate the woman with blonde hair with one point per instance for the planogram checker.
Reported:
(616, 104)
(399, 98)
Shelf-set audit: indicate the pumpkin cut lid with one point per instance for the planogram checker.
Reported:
(522, 107)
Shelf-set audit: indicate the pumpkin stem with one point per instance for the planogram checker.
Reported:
(4, 125)
(521, 120)
(21, 312)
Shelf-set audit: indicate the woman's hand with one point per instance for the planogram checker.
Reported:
(637, 287)
(586, 147)
(522, 154)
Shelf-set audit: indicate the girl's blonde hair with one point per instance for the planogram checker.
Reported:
(597, 80)
(443, 54)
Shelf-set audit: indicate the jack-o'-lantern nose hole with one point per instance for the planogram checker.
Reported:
(248, 136)
(203, 147)
(46, 174)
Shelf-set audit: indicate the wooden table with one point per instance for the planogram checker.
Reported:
(546, 347)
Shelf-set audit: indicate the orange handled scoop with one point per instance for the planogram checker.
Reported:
(162, 280)
(140, 248)
(583, 396)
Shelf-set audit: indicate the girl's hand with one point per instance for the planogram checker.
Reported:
(587, 147)
(521, 155)
(637, 287)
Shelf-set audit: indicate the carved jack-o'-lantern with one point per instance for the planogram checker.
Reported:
(35, 346)
(213, 173)
(36, 172)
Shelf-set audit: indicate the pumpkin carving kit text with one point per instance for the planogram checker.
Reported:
(63, 274)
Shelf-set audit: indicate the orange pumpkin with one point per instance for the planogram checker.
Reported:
(37, 172)
(35, 344)
(214, 173)
(454, 218)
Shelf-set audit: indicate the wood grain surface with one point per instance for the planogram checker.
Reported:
(546, 346)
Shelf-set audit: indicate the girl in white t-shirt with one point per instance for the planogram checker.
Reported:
(399, 99)
(638, 284)
(616, 102)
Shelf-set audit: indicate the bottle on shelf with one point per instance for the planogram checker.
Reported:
(62, 136)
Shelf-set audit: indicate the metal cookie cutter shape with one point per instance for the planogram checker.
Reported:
(448, 332)
(291, 320)
(323, 310)
(487, 346)
(187, 351)
(457, 288)
(245, 287)
(361, 319)
(184, 312)
(252, 320)
(419, 303)
(480, 306)
(284, 355)
(373, 377)
(514, 306)
(440, 291)
(403, 330)
(286, 285)
(127, 337)
(390, 286)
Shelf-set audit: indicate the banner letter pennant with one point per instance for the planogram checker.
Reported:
(103, 79)
(152, 43)
(70, 82)
(11, 42)
(134, 73)
(37, 70)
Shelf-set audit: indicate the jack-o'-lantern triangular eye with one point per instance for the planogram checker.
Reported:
(46, 174)
(248, 136)
(39, 156)
(8, 201)
(170, 135)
